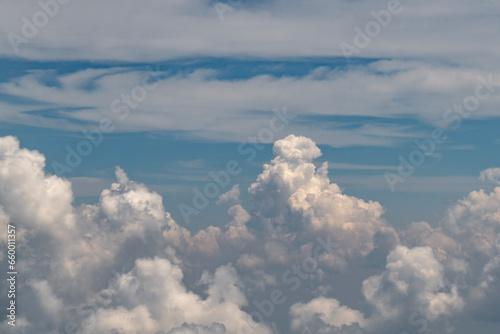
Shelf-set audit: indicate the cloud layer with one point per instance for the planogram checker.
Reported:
(201, 103)
(151, 30)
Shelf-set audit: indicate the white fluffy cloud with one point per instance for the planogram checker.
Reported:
(295, 195)
(475, 220)
(491, 174)
(414, 278)
(124, 265)
(328, 310)
(230, 197)
(412, 284)
(27, 195)
(152, 297)
(70, 254)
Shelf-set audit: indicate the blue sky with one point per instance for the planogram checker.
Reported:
(115, 115)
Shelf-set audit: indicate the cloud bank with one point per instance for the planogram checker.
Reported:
(306, 259)
(149, 31)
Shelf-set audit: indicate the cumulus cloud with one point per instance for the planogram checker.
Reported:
(230, 197)
(153, 297)
(474, 221)
(237, 231)
(415, 276)
(28, 196)
(124, 265)
(466, 243)
(70, 254)
(208, 242)
(412, 284)
(329, 311)
(491, 175)
(293, 196)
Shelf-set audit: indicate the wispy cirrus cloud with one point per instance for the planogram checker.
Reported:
(201, 103)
